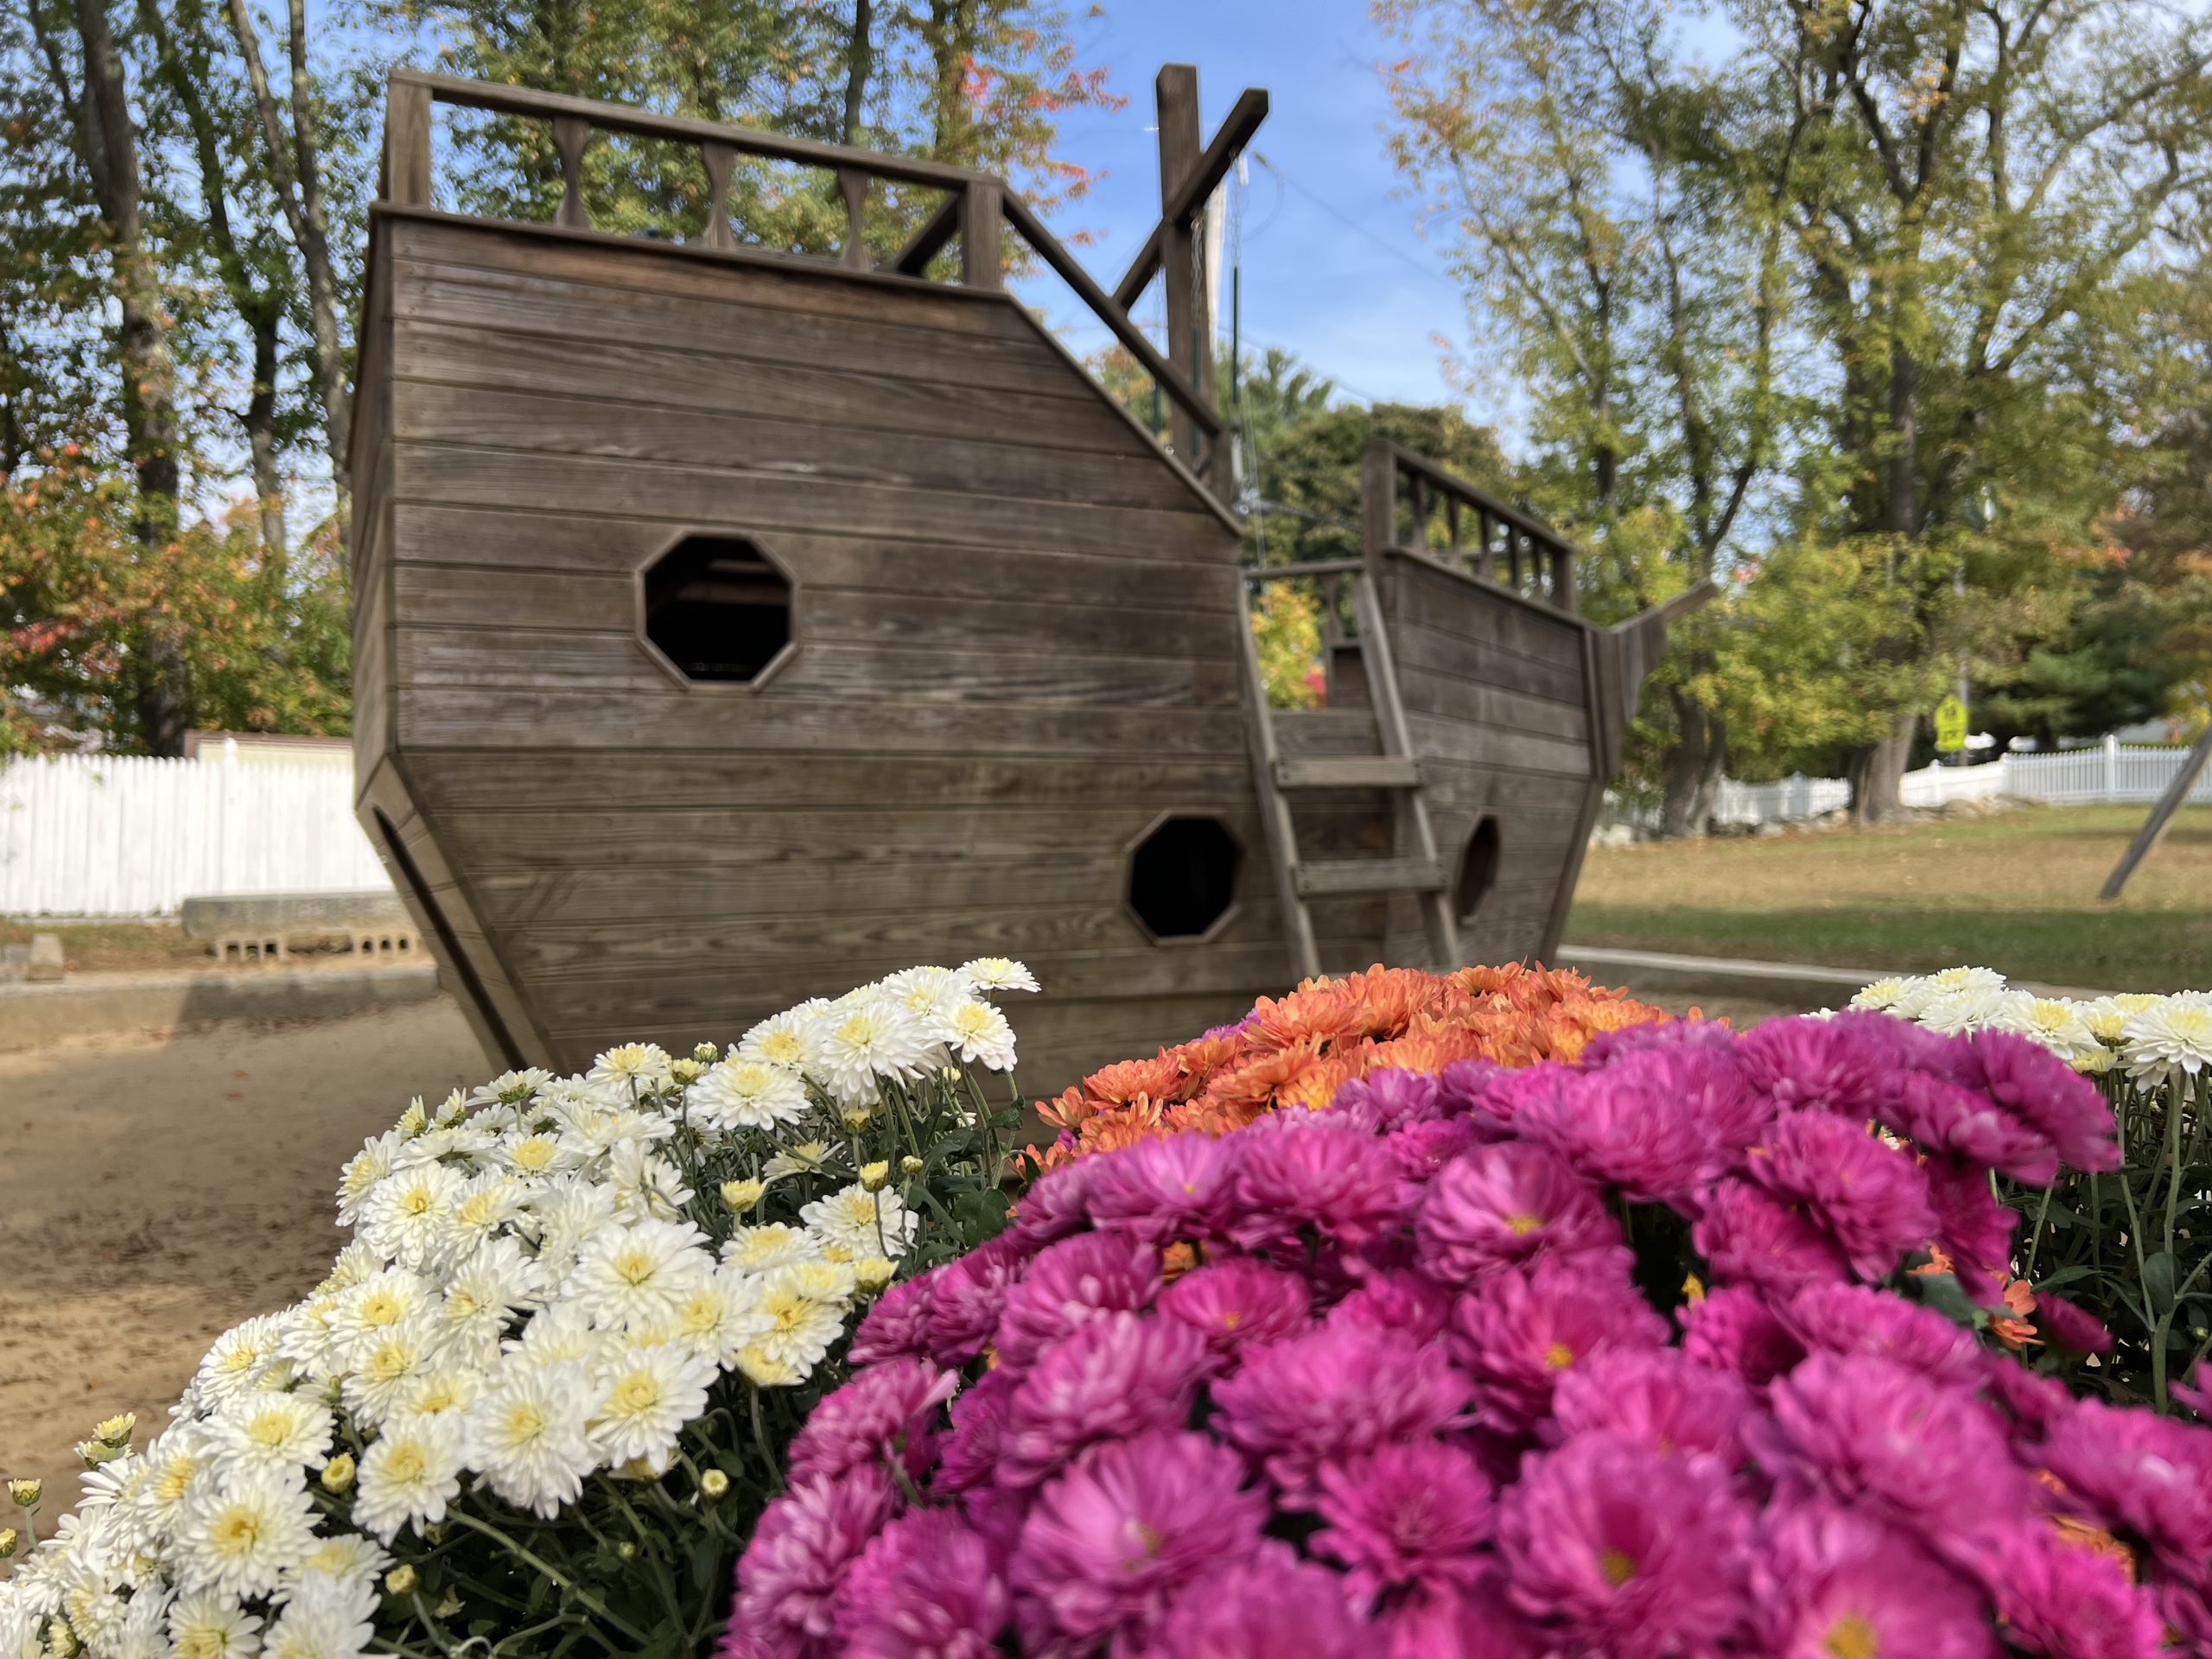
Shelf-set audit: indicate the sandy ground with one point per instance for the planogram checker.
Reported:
(153, 1193)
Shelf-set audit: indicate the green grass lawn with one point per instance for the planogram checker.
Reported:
(2016, 892)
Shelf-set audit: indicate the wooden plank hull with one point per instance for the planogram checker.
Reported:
(1013, 650)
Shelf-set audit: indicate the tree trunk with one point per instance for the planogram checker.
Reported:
(950, 35)
(260, 443)
(859, 61)
(1695, 770)
(1877, 774)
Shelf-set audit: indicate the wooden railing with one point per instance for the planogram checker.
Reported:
(977, 209)
(1403, 495)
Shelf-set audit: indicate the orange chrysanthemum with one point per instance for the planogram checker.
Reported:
(1299, 1050)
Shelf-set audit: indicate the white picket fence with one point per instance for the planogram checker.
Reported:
(2110, 772)
(94, 835)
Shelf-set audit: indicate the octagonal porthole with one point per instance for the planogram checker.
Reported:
(716, 609)
(1180, 878)
(1478, 872)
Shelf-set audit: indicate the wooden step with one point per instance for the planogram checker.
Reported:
(1325, 877)
(1307, 733)
(1350, 771)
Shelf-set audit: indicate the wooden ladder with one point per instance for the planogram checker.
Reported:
(1415, 868)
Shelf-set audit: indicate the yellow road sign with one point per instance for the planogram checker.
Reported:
(1950, 725)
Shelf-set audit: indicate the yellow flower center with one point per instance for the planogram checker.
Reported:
(1231, 1319)
(407, 1462)
(1617, 1565)
(237, 1531)
(634, 1267)
(1852, 1637)
(636, 1393)
(379, 1307)
(270, 1429)
(1559, 1356)
(417, 1201)
(534, 1154)
(524, 1421)
(1522, 1225)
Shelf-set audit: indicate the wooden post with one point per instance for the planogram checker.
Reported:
(720, 159)
(1563, 579)
(2162, 816)
(852, 184)
(1189, 325)
(982, 213)
(571, 134)
(1378, 503)
(407, 144)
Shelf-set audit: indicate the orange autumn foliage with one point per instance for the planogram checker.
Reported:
(1299, 1050)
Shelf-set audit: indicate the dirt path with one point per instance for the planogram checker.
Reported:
(153, 1193)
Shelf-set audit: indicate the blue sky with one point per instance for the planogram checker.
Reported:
(1334, 266)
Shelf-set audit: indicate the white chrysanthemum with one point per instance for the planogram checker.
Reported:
(318, 1627)
(646, 1187)
(640, 1066)
(177, 1459)
(343, 1567)
(978, 1033)
(482, 1205)
(772, 1245)
(308, 1341)
(633, 1277)
(2171, 1037)
(859, 1222)
(540, 1153)
(2107, 1019)
(864, 1036)
(467, 1141)
(560, 1334)
(803, 1157)
(510, 1088)
(527, 1435)
(927, 993)
(205, 1625)
(93, 1608)
(234, 1364)
(402, 1216)
(362, 1173)
(1973, 1008)
(408, 1476)
(387, 1366)
(281, 1432)
(646, 1395)
(998, 974)
(592, 1137)
(379, 1302)
(718, 1318)
(2058, 1025)
(784, 1039)
(355, 1263)
(497, 1280)
(444, 1391)
(238, 1536)
(742, 1093)
(570, 1211)
(806, 1311)
(1881, 994)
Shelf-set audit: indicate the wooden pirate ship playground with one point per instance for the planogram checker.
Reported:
(733, 627)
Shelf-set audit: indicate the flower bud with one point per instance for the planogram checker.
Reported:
(6, 1542)
(855, 1118)
(338, 1473)
(61, 1640)
(26, 1492)
(873, 1273)
(714, 1484)
(876, 1176)
(400, 1582)
(451, 1607)
(743, 1195)
(626, 1550)
(706, 1054)
(115, 1430)
(911, 1164)
(438, 1533)
(686, 1070)
(96, 1453)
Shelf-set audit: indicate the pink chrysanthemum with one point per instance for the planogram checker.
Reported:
(898, 1325)
(2072, 1328)
(2141, 1474)
(1071, 1281)
(1312, 1172)
(2065, 1106)
(1872, 1198)
(966, 1297)
(1627, 1553)
(1119, 1375)
(1111, 1541)
(1269, 1607)
(1517, 1334)
(1837, 1066)
(1855, 1319)
(1752, 1237)
(1971, 1227)
(1836, 1582)
(2064, 1599)
(806, 1542)
(1398, 1301)
(1625, 1128)
(1420, 1150)
(1734, 1329)
(1475, 1623)
(1501, 1204)
(1405, 1517)
(1938, 1115)
(888, 1411)
(1332, 1394)
(1235, 1303)
(1057, 1204)
(969, 1457)
(1167, 1188)
(925, 1589)
(1389, 1100)
(1658, 1398)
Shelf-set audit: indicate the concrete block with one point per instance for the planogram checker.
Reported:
(47, 962)
(287, 915)
(15, 963)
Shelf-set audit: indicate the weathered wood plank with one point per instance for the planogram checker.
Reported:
(447, 717)
(431, 596)
(1451, 698)
(467, 298)
(1428, 599)
(765, 502)
(824, 293)
(1453, 739)
(681, 378)
(640, 430)
(1425, 650)
(1301, 733)
(553, 782)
